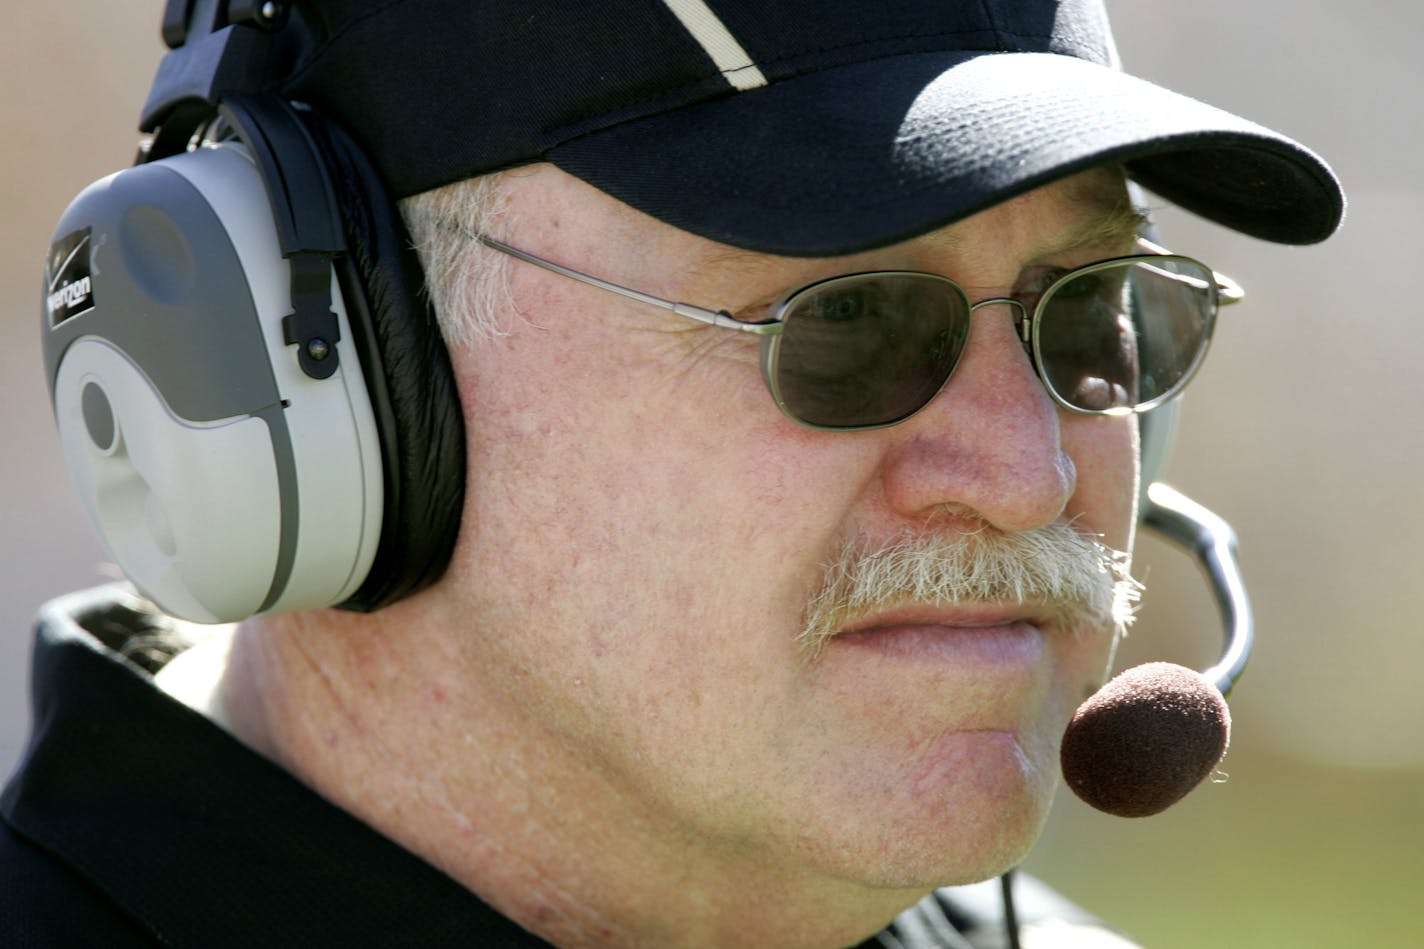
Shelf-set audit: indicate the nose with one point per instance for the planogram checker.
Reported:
(988, 447)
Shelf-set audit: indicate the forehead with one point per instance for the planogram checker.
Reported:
(561, 216)
(1087, 212)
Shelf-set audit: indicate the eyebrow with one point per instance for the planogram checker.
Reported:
(1106, 219)
(1119, 223)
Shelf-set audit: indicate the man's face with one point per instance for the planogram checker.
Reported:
(644, 531)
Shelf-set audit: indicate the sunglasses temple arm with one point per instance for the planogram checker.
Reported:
(703, 315)
(1212, 542)
(1228, 291)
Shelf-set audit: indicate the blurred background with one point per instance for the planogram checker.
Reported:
(1302, 431)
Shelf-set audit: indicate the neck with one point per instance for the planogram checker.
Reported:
(381, 715)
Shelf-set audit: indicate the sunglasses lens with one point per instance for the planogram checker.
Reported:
(873, 349)
(1128, 335)
(868, 349)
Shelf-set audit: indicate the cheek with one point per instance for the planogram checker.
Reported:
(623, 557)
(1105, 453)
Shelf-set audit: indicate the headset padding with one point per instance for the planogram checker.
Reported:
(407, 370)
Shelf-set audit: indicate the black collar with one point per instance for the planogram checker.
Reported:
(202, 841)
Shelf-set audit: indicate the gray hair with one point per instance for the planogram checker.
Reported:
(467, 285)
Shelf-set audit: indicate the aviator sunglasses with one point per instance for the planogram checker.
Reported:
(869, 350)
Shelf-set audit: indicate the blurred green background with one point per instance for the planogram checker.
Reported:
(1303, 431)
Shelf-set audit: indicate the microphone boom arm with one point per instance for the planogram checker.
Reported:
(1212, 542)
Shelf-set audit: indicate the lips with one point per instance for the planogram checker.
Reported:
(987, 637)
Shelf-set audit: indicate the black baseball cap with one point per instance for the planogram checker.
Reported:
(798, 127)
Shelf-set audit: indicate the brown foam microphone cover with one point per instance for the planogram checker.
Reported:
(1144, 740)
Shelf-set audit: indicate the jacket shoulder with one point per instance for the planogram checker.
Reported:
(45, 904)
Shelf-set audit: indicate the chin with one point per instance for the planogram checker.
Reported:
(968, 816)
(932, 855)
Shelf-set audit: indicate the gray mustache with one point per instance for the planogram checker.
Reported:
(1066, 575)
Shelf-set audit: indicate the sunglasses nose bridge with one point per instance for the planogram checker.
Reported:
(1021, 320)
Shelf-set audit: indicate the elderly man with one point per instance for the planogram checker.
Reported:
(796, 350)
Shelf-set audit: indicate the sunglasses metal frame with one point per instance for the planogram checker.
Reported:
(1226, 290)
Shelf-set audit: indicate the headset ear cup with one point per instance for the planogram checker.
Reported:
(408, 374)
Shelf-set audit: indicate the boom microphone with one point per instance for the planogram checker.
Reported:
(1143, 741)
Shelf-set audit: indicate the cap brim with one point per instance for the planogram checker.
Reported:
(862, 156)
